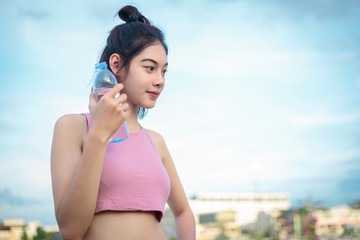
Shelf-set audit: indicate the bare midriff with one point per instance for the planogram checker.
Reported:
(111, 225)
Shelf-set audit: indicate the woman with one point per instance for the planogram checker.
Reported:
(118, 190)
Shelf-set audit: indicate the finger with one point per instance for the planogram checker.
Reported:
(124, 107)
(121, 99)
(115, 90)
(92, 101)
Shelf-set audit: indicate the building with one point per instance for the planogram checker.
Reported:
(12, 229)
(247, 205)
(284, 224)
(337, 221)
(218, 224)
(229, 215)
(16, 229)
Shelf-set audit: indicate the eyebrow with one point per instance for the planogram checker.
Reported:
(153, 61)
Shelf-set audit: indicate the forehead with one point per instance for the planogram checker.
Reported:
(156, 52)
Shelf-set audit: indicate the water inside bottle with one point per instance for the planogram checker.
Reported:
(99, 92)
(121, 134)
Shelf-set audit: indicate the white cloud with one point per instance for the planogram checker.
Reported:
(61, 49)
(346, 56)
(324, 119)
(26, 176)
(339, 157)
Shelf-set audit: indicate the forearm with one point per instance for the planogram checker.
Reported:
(185, 225)
(78, 206)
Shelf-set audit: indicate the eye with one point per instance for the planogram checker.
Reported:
(164, 71)
(150, 68)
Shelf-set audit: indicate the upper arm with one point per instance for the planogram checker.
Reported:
(177, 200)
(65, 155)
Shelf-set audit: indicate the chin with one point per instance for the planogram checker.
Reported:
(148, 106)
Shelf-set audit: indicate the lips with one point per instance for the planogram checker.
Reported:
(154, 94)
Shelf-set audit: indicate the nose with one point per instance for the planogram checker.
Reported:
(159, 80)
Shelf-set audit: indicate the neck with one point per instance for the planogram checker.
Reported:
(132, 120)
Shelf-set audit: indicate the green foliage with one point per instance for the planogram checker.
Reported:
(222, 238)
(24, 236)
(268, 234)
(349, 231)
(42, 235)
(256, 236)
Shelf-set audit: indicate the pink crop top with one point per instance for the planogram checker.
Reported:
(133, 177)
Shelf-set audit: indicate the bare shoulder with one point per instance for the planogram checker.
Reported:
(159, 142)
(155, 136)
(71, 126)
(76, 122)
(71, 120)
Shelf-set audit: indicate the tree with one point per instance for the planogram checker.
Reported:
(24, 236)
(42, 235)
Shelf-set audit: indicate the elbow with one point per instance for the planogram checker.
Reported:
(68, 233)
(186, 212)
(70, 227)
(71, 231)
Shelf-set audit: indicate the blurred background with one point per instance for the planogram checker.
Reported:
(260, 96)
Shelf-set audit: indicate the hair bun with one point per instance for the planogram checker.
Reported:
(131, 14)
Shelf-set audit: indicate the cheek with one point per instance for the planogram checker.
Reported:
(128, 85)
(133, 91)
(135, 84)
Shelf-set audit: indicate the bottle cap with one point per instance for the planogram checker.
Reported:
(101, 66)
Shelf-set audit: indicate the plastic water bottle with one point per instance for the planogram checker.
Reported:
(102, 82)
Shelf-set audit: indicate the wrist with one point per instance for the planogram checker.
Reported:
(96, 137)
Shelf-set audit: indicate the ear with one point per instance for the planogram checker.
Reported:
(115, 63)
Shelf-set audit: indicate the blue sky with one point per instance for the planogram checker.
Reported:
(260, 95)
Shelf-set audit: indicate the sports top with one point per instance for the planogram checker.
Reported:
(133, 177)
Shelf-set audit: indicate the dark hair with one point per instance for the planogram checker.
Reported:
(130, 38)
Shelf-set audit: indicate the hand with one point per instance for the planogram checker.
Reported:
(109, 112)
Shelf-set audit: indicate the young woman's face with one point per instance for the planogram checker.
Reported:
(146, 76)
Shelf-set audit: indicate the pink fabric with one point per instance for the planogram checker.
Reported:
(133, 177)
